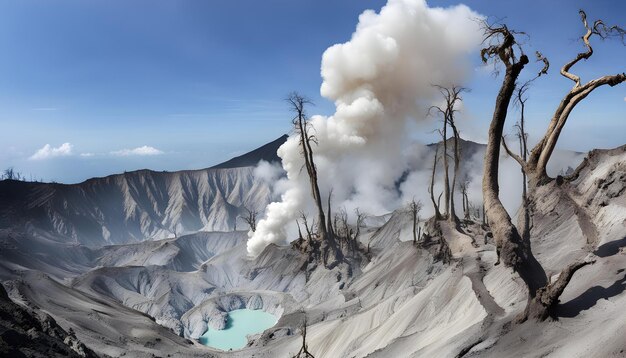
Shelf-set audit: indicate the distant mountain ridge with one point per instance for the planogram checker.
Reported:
(138, 205)
(468, 148)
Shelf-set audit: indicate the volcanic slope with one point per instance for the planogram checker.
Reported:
(442, 297)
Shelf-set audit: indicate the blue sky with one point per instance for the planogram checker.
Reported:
(186, 84)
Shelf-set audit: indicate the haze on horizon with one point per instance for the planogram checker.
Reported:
(86, 89)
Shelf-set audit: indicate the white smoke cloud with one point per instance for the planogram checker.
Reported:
(379, 80)
(48, 152)
(267, 172)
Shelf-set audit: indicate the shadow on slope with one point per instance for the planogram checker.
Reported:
(590, 297)
(610, 248)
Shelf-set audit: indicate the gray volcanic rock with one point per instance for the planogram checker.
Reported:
(25, 333)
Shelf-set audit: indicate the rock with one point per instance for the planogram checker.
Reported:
(255, 303)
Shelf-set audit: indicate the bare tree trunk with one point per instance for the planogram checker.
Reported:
(414, 228)
(446, 176)
(466, 214)
(315, 190)
(463, 201)
(299, 231)
(360, 218)
(524, 219)
(457, 155)
(306, 225)
(484, 215)
(330, 229)
(432, 185)
(512, 250)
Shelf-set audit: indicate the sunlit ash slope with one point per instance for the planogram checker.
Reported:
(138, 205)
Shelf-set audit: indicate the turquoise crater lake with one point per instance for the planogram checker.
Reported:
(239, 324)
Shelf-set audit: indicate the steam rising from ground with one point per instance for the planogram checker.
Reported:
(379, 80)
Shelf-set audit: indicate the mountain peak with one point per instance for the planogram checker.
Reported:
(266, 152)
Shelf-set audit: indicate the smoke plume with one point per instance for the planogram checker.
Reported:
(380, 80)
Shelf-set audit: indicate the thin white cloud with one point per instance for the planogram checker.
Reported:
(49, 151)
(140, 151)
(86, 155)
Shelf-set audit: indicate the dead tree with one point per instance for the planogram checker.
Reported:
(343, 228)
(446, 174)
(463, 189)
(304, 349)
(307, 228)
(345, 232)
(514, 250)
(359, 220)
(11, 174)
(431, 189)
(414, 208)
(329, 252)
(451, 96)
(539, 156)
(301, 126)
(250, 218)
(300, 237)
(329, 225)
(521, 134)
(484, 215)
